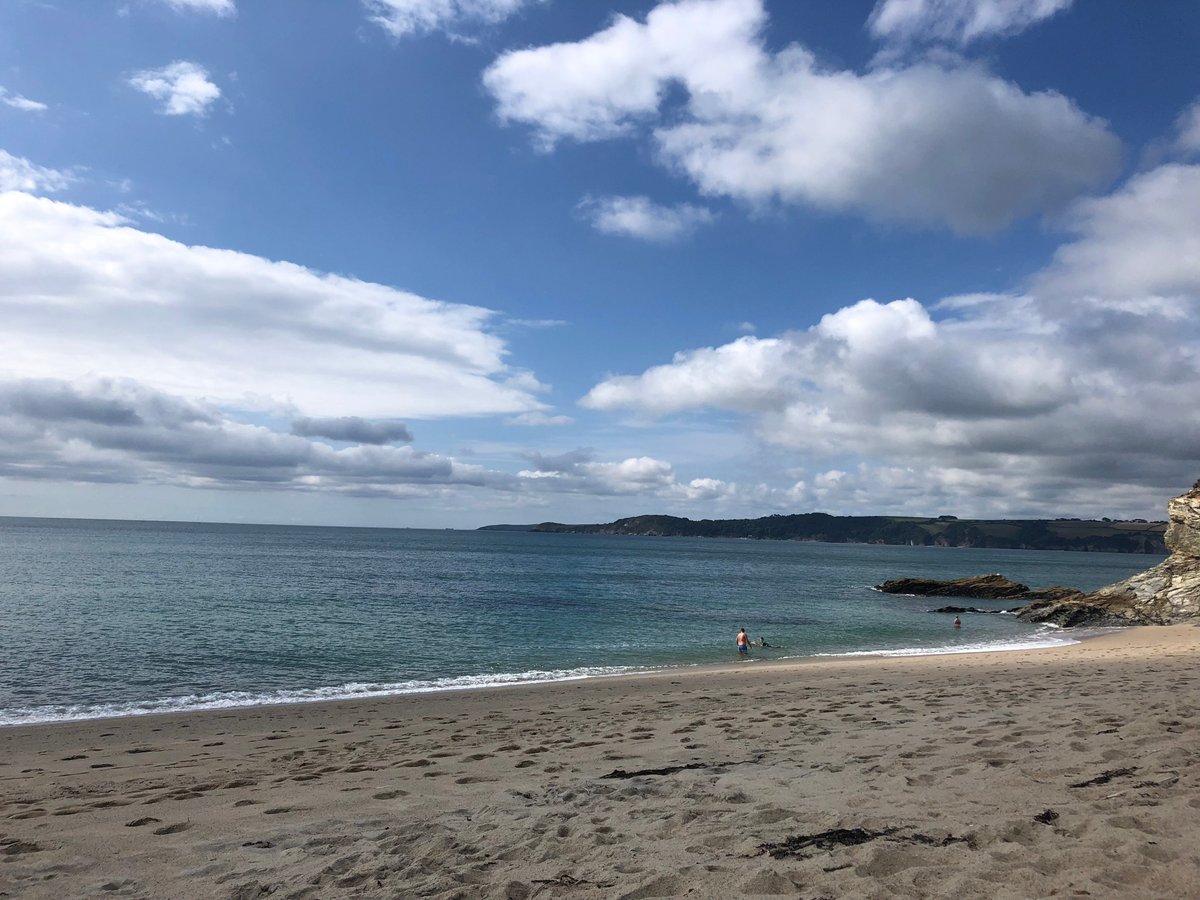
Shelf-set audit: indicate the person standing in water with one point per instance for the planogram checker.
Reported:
(743, 644)
(957, 622)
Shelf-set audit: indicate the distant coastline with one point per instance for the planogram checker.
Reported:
(1105, 535)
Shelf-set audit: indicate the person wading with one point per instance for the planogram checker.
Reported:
(743, 644)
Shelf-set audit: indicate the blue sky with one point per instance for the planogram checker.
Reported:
(455, 262)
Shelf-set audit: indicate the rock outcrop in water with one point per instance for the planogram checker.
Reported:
(1164, 595)
(977, 587)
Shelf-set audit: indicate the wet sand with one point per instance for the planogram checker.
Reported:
(1062, 772)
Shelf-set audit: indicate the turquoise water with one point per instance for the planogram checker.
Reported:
(112, 618)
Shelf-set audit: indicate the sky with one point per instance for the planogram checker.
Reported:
(448, 263)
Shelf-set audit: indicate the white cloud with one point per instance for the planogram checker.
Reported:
(1076, 391)
(1137, 247)
(1187, 127)
(640, 217)
(745, 374)
(957, 21)
(576, 473)
(122, 431)
(19, 174)
(922, 143)
(215, 7)
(82, 292)
(100, 430)
(401, 18)
(183, 87)
(16, 101)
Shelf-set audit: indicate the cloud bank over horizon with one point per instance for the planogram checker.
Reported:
(1071, 385)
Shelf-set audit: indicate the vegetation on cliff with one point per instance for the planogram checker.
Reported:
(945, 531)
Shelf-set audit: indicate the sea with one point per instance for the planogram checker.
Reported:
(116, 618)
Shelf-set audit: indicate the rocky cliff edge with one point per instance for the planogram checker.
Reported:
(1164, 595)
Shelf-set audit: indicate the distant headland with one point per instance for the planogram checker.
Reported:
(1116, 536)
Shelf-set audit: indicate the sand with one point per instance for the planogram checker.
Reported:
(1064, 772)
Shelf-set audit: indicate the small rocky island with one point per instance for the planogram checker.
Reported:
(1167, 594)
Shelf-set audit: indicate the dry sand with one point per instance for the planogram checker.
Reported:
(1065, 772)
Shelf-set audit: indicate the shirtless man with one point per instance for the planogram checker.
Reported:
(743, 644)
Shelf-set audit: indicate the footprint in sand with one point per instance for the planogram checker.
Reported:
(122, 885)
(173, 829)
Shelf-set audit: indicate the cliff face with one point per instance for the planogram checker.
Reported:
(1163, 595)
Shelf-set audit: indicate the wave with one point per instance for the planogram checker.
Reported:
(69, 712)
(1040, 641)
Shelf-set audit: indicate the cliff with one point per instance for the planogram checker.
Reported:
(1164, 595)
(1136, 536)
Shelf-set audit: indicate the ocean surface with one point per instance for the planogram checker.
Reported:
(103, 618)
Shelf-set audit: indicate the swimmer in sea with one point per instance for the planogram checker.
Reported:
(743, 644)
(957, 622)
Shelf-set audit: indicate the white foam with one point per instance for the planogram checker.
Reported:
(1040, 642)
(351, 691)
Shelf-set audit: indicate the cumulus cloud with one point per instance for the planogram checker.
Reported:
(642, 218)
(354, 429)
(923, 143)
(1074, 390)
(19, 174)
(401, 18)
(183, 87)
(1138, 249)
(577, 472)
(16, 101)
(81, 291)
(220, 8)
(957, 21)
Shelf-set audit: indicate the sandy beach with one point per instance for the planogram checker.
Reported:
(1060, 772)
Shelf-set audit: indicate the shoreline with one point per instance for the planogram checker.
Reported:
(1007, 775)
(327, 694)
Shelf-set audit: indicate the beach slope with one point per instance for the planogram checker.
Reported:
(1062, 772)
